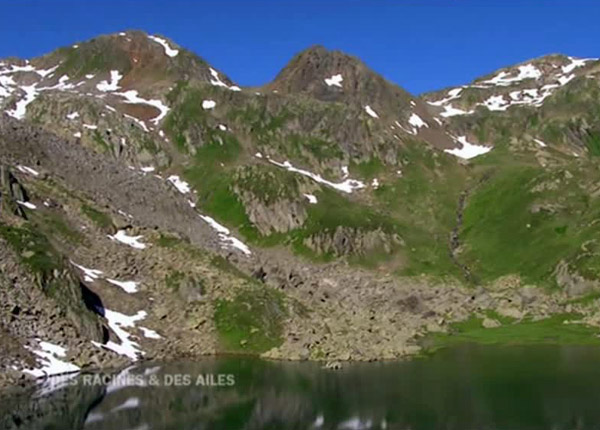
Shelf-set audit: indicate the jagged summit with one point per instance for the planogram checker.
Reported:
(334, 75)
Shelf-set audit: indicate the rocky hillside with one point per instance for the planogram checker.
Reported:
(152, 208)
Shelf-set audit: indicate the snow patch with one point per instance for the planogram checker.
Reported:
(564, 80)
(132, 97)
(49, 356)
(217, 82)
(311, 198)
(208, 104)
(150, 334)
(335, 81)
(44, 73)
(21, 107)
(127, 286)
(90, 274)
(113, 85)
(182, 186)
(133, 241)
(73, 115)
(539, 142)
(142, 124)
(575, 63)
(416, 121)
(452, 95)
(118, 322)
(28, 205)
(449, 111)
(348, 186)
(528, 71)
(169, 52)
(468, 150)
(496, 103)
(224, 235)
(27, 170)
(371, 112)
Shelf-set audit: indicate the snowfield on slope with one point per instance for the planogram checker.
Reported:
(217, 82)
(468, 150)
(118, 322)
(225, 235)
(132, 97)
(169, 52)
(113, 85)
(50, 360)
(182, 186)
(348, 186)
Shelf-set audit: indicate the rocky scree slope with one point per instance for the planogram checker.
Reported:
(152, 208)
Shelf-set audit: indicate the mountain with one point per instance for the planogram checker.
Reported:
(152, 208)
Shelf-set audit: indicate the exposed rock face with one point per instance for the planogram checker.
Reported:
(314, 71)
(573, 283)
(10, 193)
(350, 241)
(280, 216)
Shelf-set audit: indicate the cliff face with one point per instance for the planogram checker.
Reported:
(152, 208)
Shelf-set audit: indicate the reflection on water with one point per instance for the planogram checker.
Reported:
(464, 388)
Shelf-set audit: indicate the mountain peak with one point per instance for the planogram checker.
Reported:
(141, 59)
(324, 73)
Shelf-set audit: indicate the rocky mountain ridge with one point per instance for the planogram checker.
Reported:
(186, 215)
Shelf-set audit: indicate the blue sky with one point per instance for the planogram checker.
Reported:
(420, 44)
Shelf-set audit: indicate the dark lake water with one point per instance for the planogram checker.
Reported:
(463, 388)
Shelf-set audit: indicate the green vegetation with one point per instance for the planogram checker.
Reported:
(167, 241)
(297, 147)
(97, 55)
(593, 143)
(267, 183)
(32, 248)
(53, 224)
(173, 279)
(99, 218)
(187, 120)
(263, 124)
(492, 314)
(252, 321)
(211, 175)
(586, 300)
(424, 201)
(502, 234)
(552, 330)
(367, 169)
(104, 147)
